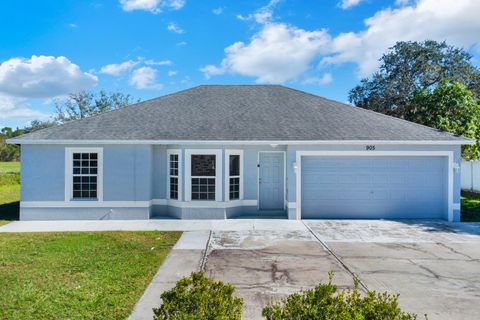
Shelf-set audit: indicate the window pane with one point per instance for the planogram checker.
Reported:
(174, 164)
(203, 165)
(85, 175)
(234, 188)
(203, 189)
(234, 165)
(174, 188)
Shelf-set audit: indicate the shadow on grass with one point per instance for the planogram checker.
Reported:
(10, 211)
(470, 206)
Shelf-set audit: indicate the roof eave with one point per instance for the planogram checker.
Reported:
(242, 142)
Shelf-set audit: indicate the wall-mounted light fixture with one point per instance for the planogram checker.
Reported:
(456, 167)
(274, 145)
(295, 167)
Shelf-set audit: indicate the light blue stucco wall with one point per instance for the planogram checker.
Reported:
(139, 173)
(126, 173)
(42, 175)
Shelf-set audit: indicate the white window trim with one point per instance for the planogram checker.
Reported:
(218, 172)
(300, 154)
(69, 173)
(179, 176)
(228, 153)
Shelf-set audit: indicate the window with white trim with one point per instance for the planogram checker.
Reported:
(173, 172)
(234, 176)
(203, 176)
(85, 175)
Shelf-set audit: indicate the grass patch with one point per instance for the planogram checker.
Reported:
(9, 191)
(470, 206)
(90, 275)
(9, 167)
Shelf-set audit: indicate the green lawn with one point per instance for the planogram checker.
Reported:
(78, 275)
(9, 191)
(9, 167)
(470, 206)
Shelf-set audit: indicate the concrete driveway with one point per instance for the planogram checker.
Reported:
(435, 266)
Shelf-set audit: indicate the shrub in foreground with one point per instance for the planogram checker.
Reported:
(325, 301)
(199, 297)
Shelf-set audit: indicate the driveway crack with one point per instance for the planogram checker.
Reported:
(205, 253)
(343, 264)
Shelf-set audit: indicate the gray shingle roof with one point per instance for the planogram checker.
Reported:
(239, 113)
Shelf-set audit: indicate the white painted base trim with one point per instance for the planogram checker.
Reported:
(204, 204)
(84, 204)
(137, 204)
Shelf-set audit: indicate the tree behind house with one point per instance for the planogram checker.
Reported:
(76, 106)
(411, 66)
(85, 104)
(429, 83)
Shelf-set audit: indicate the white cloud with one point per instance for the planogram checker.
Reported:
(276, 54)
(176, 4)
(174, 28)
(145, 78)
(154, 6)
(181, 43)
(262, 15)
(281, 52)
(158, 63)
(455, 21)
(323, 80)
(346, 4)
(16, 108)
(402, 2)
(172, 73)
(115, 69)
(43, 77)
(73, 25)
(217, 11)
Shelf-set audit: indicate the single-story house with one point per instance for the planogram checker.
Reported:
(224, 151)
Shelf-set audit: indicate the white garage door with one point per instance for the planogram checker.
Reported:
(374, 187)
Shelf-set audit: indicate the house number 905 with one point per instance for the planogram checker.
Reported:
(370, 147)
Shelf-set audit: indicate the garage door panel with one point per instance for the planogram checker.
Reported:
(374, 187)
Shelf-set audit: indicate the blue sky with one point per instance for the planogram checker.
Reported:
(149, 48)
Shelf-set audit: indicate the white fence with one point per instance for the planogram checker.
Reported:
(471, 175)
